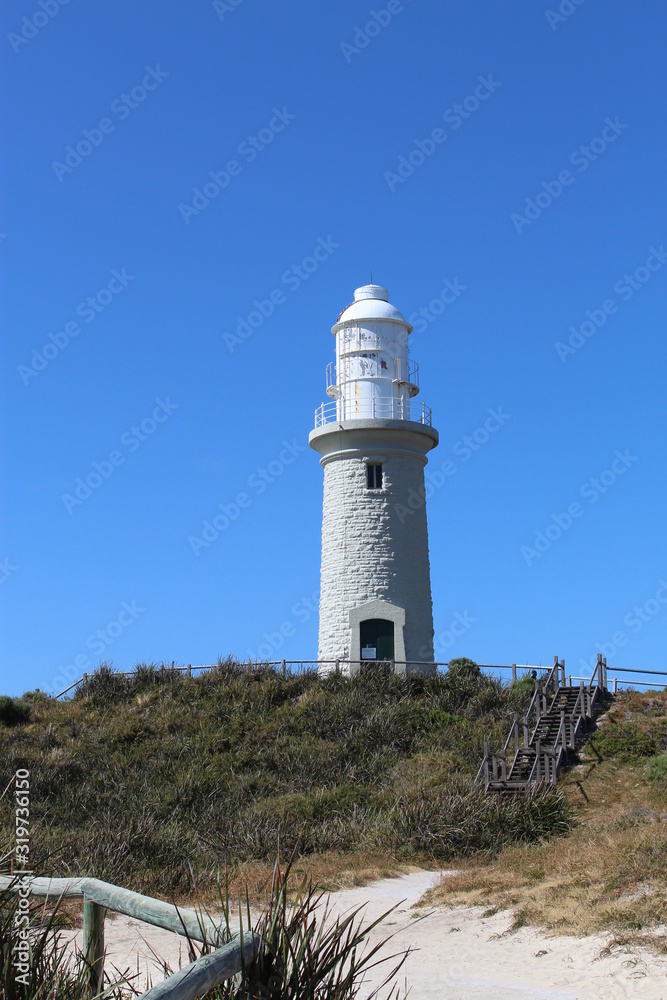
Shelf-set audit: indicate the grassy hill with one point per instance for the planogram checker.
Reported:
(159, 781)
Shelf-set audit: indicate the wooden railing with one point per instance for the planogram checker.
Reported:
(205, 973)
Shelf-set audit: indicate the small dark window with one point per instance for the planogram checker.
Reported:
(374, 477)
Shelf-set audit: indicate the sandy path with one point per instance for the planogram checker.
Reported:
(462, 955)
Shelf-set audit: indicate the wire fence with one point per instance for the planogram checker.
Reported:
(290, 668)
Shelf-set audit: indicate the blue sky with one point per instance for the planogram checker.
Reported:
(170, 171)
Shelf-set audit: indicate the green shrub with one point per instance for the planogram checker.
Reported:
(13, 711)
(656, 768)
(521, 693)
(34, 696)
(464, 671)
(104, 687)
(625, 742)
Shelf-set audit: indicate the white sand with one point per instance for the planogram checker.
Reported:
(462, 955)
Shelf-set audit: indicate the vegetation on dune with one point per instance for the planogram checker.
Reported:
(608, 872)
(157, 781)
(160, 782)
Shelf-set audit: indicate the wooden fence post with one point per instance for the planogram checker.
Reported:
(93, 944)
(562, 672)
(189, 670)
(538, 770)
(604, 672)
(513, 673)
(283, 669)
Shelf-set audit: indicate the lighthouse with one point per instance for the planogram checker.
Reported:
(373, 438)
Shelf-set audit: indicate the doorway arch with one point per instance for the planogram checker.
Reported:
(374, 610)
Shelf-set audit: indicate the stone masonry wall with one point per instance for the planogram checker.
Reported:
(371, 550)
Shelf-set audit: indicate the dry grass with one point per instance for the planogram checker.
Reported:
(330, 872)
(610, 872)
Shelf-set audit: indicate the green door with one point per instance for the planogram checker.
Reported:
(377, 639)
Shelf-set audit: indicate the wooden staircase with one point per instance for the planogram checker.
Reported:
(557, 723)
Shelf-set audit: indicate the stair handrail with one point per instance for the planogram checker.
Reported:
(553, 678)
(580, 709)
(536, 703)
(576, 727)
(561, 735)
(596, 670)
(552, 754)
(483, 767)
(514, 731)
(535, 775)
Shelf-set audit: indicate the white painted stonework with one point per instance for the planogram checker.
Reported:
(375, 561)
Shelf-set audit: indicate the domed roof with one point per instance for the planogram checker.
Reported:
(371, 302)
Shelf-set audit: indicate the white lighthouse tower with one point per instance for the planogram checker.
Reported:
(375, 586)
